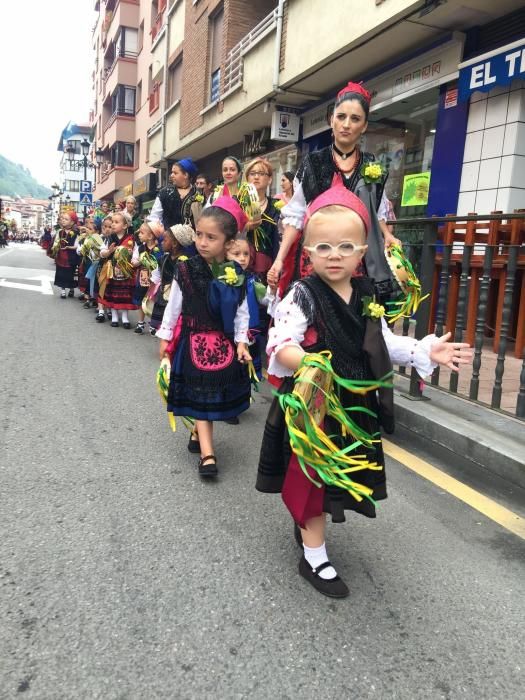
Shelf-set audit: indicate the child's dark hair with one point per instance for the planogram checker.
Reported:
(354, 96)
(224, 219)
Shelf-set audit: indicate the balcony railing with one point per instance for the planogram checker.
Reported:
(474, 269)
(118, 113)
(157, 25)
(233, 67)
(131, 55)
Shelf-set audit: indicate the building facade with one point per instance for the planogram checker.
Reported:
(123, 86)
(76, 195)
(207, 78)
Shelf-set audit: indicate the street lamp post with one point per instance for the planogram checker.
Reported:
(83, 163)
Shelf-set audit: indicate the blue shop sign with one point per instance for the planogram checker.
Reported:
(498, 67)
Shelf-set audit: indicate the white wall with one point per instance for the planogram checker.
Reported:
(493, 175)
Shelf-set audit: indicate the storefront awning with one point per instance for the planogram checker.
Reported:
(498, 67)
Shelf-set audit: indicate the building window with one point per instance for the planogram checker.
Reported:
(123, 101)
(127, 43)
(137, 154)
(72, 185)
(174, 82)
(215, 49)
(138, 97)
(141, 36)
(122, 154)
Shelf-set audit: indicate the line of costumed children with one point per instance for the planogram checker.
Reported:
(330, 351)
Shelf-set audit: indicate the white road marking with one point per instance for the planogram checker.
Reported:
(44, 287)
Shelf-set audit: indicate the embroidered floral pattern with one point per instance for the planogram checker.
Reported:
(210, 351)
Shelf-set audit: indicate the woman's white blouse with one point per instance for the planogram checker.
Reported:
(293, 213)
(173, 310)
(290, 326)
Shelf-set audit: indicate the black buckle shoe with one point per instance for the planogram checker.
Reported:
(100, 317)
(194, 446)
(331, 587)
(208, 470)
(126, 325)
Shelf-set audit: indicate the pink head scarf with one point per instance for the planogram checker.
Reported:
(342, 197)
(233, 207)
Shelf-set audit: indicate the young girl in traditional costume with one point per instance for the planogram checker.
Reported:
(146, 258)
(209, 379)
(327, 456)
(174, 241)
(107, 232)
(259, 297)
(116, 278)
(65, 254)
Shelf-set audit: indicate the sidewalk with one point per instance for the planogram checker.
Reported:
(487, 438)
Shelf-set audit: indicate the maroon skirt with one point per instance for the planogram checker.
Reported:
(119, 294)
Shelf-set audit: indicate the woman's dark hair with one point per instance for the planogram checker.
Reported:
(348, 96)
(289, 175)
(235, 160)
(224, 219)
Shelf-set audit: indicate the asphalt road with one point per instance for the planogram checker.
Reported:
(124, 576)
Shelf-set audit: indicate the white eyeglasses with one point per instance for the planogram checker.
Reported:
(345, 249)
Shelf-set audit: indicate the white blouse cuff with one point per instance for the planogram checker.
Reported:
(164, 333)
(275, 368)
(420, 356)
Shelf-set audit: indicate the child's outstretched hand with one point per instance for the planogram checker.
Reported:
(243, 354)
(450, 354)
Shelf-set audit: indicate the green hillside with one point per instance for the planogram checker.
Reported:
(17, 180)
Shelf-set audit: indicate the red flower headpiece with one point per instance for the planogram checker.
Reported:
(339, 195)
(356, 87)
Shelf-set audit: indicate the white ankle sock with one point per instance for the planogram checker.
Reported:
(114, 316)
(316, 556)
(125, 318)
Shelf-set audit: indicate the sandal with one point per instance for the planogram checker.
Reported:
(208, 470)
(331, 587)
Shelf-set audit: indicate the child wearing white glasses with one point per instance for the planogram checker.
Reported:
(334, 311)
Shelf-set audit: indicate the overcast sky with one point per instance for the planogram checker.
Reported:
(46, 63)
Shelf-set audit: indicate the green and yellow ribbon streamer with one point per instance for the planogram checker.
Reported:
(311, 445)
(406, 306)
(163, 383)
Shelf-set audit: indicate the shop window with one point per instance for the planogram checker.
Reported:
(401, 136)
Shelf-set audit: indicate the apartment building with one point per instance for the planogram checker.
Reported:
(210, 77)
(122, 110)
(76, 196)
(259, 77)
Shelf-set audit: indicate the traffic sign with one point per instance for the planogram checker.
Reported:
(86, 199)
(85, 186)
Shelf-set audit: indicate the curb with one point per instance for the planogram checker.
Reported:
(487, 438)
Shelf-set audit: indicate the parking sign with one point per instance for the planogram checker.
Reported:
(85, 186)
